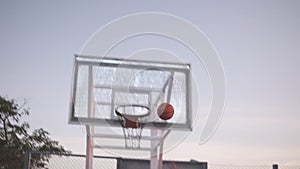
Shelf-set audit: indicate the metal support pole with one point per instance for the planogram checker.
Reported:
(154, 150)
(27, 160)
(275, 166)
(90, 129)
(161, 147)
(89, 149)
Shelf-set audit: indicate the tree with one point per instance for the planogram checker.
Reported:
(15, 138)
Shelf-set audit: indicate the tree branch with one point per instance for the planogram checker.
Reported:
(5, 131)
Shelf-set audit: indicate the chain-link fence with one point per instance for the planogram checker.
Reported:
(68, 161)
(289, 167)
(74, 161)
(237, 166)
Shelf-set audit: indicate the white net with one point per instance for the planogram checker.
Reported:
(132, 118)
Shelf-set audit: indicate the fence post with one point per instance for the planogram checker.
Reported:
(275, 166)
(119, 163)
(27, 160)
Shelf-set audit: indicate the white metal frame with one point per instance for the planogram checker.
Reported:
(155, 150)
(158, 134)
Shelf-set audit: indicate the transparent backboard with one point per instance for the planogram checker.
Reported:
(102, 84)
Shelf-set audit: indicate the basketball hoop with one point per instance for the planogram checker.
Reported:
(132, 119)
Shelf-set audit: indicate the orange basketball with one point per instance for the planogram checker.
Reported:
(165, 111)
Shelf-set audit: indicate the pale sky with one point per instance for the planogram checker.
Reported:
(257, 41)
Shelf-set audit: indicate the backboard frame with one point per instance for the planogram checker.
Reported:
(92, 61)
